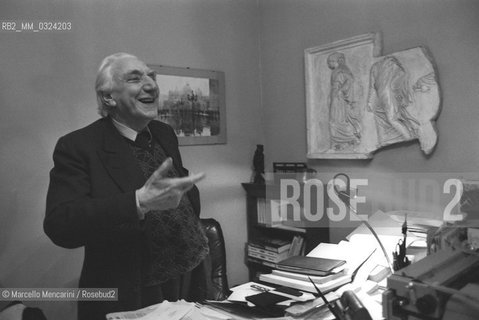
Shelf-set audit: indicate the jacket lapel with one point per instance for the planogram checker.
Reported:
(119, 160)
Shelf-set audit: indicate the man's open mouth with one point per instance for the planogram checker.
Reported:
(147, 100)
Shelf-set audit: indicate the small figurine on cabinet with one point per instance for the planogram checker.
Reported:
(258, 165)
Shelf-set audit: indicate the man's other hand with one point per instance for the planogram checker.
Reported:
(161, 192)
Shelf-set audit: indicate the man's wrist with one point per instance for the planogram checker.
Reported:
(140, 210)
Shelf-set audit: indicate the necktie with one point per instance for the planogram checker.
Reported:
(143, 139)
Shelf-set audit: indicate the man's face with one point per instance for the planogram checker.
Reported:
(135, 92)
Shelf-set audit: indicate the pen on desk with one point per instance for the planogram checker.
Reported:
(326, 302)
(259, 288)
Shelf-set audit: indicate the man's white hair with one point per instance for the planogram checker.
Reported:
(104, 80)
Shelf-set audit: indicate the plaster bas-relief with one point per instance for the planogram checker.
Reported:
(358, 101)
(344, 118)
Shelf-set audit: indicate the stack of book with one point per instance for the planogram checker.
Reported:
(301, 281)
(336, 265)
(268, 252)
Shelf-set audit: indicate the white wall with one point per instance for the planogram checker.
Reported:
(46, 90)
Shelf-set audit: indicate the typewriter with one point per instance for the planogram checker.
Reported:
(444, 285)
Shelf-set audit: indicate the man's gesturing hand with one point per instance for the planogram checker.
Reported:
(161, 192)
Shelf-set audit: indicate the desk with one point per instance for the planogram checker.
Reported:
(368, 292)
(463, 304)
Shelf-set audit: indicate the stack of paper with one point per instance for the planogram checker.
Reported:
(305, 285)
(179, 310)
(353, 253)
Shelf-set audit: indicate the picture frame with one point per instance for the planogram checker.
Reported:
(192, 102)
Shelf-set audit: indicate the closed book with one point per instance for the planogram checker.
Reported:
(296, 245)
(310, 265)
(261, 210)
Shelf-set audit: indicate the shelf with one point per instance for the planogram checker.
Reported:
(281, 227)
(257, 230)
(255, 190)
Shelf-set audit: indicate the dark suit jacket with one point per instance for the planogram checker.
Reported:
(91, 203)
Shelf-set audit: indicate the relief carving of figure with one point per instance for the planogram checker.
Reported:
(359, 101)
(344, 122)
(389, 97)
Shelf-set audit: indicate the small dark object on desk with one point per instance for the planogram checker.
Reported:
(351, 307)
(265, 300)
(290, 291)
(399, 256)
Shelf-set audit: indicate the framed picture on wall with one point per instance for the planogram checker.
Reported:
(192, 101)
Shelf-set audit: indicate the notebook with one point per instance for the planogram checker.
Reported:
(310, 265)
